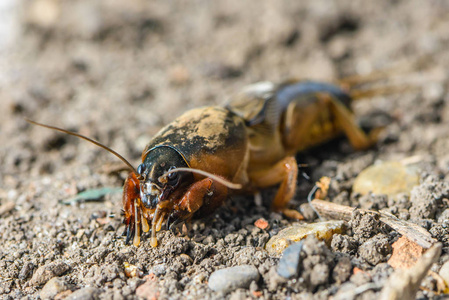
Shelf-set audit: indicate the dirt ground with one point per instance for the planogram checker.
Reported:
(118, 71)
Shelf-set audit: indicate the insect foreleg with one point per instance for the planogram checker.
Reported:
(203, 196)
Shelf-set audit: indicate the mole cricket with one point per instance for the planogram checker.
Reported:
(192, 164)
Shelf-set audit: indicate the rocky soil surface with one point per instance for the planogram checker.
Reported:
(118, 71)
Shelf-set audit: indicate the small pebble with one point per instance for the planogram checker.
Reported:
(148, 290)
(404, 284)
(427, 197)
(375, 250)
(344, 244)
(159, 270)
(342, 270)
(444, 272)
(26, 271)
(307, 211)
(48, 271)
(87, 293)
(230, 279)
(322, 230)
(53, 287)
(179, 75)
(261, 223)
(7, 207)
(43, 13)
(389, 178)
(132, 270)
(289, 264)
(405, 253)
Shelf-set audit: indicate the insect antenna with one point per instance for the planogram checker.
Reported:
(234, 186)
(400, 68)
(87, 139)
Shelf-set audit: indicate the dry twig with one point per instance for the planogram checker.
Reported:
(412, 231)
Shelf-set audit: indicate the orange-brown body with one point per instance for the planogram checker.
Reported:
(248, 145)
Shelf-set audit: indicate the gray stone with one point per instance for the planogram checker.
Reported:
(87, 293)
(26, 271)
(53, 287)
(230, 279)
(159, 270)
(289, 264)
(342, 270)
(48, 271)
(376, 249)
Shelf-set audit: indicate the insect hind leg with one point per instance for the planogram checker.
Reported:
(285, 173)
(345, 120)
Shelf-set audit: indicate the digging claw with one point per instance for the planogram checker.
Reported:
(175, 225)
(173, 222)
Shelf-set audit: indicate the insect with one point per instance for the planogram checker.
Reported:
(191, 166)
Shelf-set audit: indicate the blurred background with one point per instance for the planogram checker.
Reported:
(119, 70)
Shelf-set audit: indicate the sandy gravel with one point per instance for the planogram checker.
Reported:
(120, 70)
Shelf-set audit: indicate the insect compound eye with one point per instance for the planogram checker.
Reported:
(172, 176)
(140, 169)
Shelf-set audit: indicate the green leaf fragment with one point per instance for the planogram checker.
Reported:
(92, 195)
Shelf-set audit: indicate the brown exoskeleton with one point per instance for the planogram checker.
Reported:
(193, 163)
